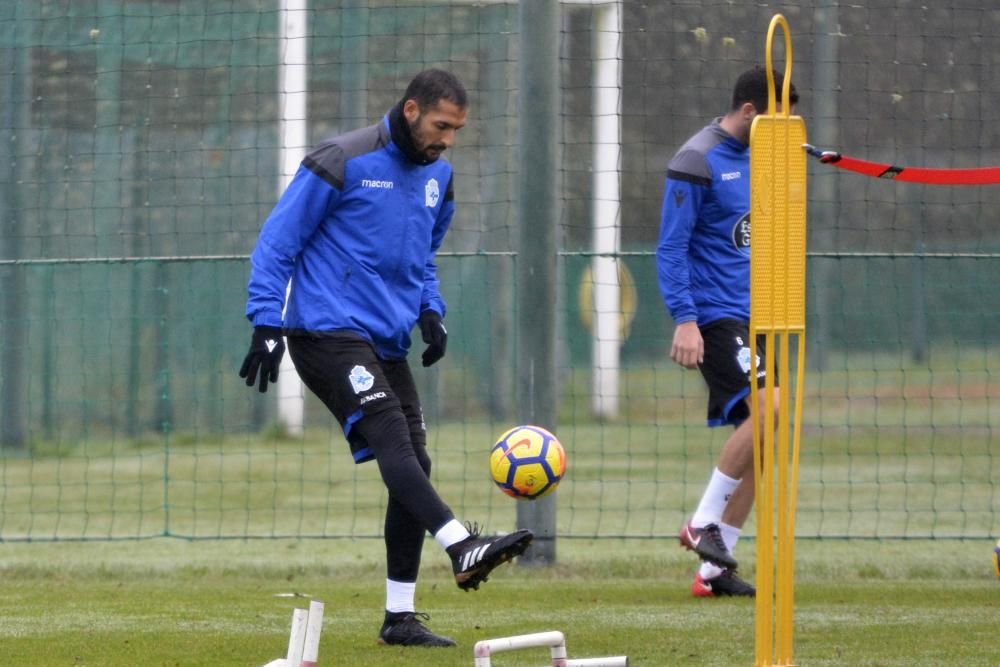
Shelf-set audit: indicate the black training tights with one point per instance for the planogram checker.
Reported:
(414, 506)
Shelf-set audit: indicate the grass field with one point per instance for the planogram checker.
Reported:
(179, 603)
(89, 577)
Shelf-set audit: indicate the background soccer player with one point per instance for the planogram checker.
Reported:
(357, 231)
(703, 267)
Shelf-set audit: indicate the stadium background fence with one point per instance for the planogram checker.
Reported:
(139, 157)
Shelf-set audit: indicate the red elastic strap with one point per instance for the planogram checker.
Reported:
(974, 176)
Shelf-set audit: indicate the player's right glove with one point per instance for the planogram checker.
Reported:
(266, 349)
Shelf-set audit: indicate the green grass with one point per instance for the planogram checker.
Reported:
(173, 602)
(624, 479)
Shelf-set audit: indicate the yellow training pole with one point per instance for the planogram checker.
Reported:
(777, 312)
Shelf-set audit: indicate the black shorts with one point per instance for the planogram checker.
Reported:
(726, 370)
(343, 370)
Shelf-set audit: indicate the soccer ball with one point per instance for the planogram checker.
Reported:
(996, 558)
(527, 462)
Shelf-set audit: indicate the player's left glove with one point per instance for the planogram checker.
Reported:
(434, 334)
(266, 349)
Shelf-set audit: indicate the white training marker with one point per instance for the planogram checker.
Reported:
(314, 627)
(553, 640)
(297, 638)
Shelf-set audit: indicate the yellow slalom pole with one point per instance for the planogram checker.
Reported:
(777, 313)
(764, 468)
(784, 566)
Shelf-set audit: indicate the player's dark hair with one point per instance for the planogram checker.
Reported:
(433, 85)
(752, 87)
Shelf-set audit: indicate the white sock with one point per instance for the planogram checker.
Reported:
(730, 535)
(399, 595)
(713, 502)
(451, 533)
(709, 570)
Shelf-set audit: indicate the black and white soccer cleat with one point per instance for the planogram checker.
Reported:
(474, 558)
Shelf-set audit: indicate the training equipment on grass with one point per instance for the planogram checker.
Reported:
(527, 462)
(303, 639)
(996, 558)
(777, 312)
(554, 640)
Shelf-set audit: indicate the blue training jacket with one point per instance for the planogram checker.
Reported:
(356, 231)
(703, 254)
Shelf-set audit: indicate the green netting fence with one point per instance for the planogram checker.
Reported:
(140, 157)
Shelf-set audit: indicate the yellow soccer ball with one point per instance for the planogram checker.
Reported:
(527, 462)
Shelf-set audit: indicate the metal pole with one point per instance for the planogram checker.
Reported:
(495, 156)
(14, 378)
(918, 349)
(607, 329)
(112, 203)
(292, 90)
(823, 191)
(132, 164)
(538, 112)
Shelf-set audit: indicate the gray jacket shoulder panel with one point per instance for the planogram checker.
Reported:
(690, 163)
(329, 158)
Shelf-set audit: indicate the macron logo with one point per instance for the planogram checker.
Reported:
(368, 183)
(271, 344)
(731, 175)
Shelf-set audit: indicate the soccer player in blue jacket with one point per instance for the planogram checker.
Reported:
(703, 268)
(356, 233)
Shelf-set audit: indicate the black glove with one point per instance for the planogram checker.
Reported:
(266, 349)
(434, 334)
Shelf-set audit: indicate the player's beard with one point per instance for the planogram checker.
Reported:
(429, 151)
